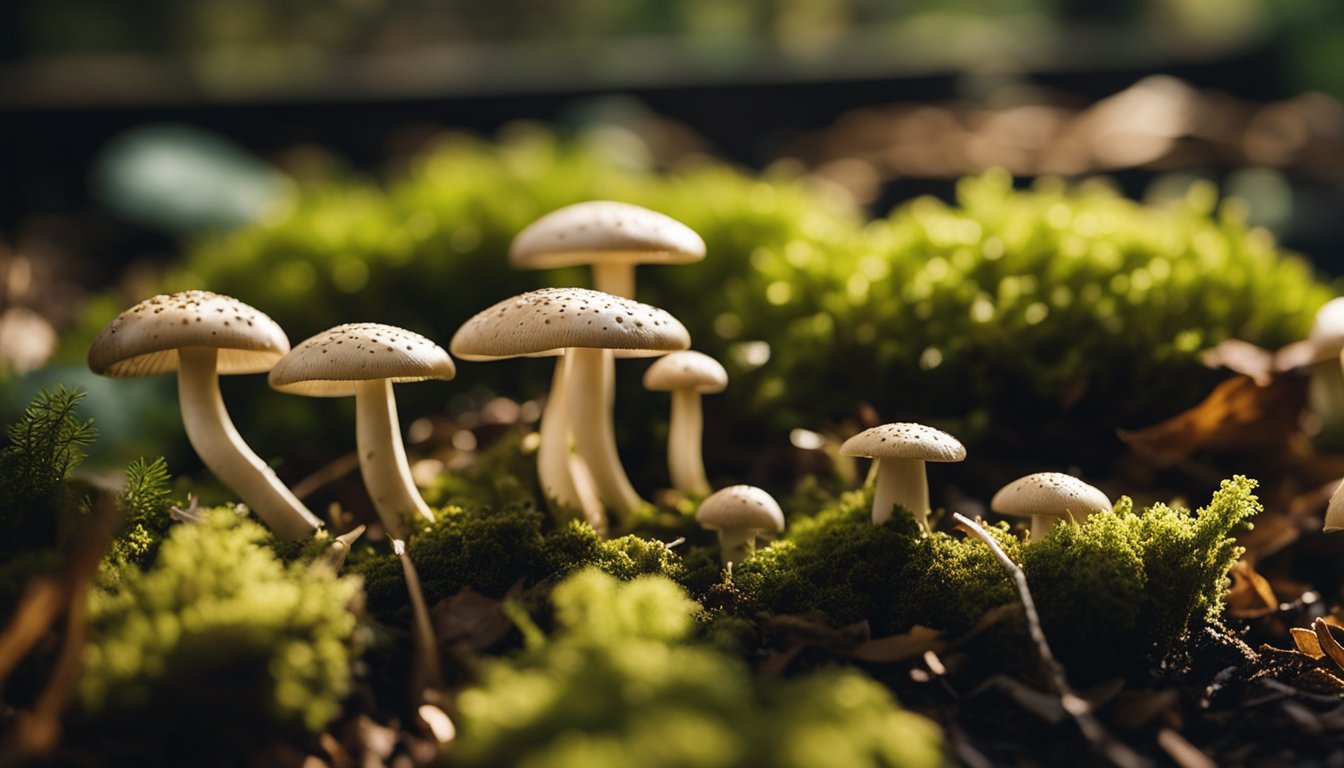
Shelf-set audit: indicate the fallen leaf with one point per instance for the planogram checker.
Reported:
(1251, 595)
(900, 647)
(1307, 642)
(1329, 644)
(1237, 417)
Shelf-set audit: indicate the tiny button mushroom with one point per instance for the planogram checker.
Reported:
(201, 335)
(365, 360)
(687, 375)
(901, 450)
(740, 513)
(1047, 498)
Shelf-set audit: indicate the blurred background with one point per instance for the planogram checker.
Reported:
(135, 133)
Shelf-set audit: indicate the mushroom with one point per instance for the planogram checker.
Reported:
(201, 335)
(1048, 497)
(739, 513)
(1325, 396)
(901, 449)
(583, 325)
(1334, 513)
(612, 237)
(364, 360)
(686, 375)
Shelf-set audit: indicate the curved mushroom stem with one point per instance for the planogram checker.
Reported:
(222, 449)
(736, 546)
(382, 458)
(903, 482)
(685, 463)
(594, 431)
(617, 279)
(557, 467)
(1325, 394)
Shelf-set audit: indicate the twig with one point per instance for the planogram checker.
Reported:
(1076, 706)
(428, 671)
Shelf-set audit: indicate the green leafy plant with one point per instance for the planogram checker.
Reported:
(45, 446)
(617, 683)
(219, 639)
(144, 505)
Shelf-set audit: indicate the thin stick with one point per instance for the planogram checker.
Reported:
(1076, 706)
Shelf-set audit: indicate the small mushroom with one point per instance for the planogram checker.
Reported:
(740, 513)
(364, 360)
(584, 325)
(901, 449)
(1047, 498)
(1325, 394)
(612, 237)
(687, 375)
(1334, 513)
(201, 335)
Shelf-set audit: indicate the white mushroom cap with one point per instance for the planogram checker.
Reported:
(903, 440)
(539, 322)
(1049, 493)
(687, 369)
(143, 340)
(331, 363)
(740, 508)
(1327, 331)
(602, 231)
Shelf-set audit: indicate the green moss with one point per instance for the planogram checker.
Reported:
(44, 447)
(618, 684)
(1114, 593)
(218, 636)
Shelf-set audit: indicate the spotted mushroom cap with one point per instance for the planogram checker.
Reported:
(1049, 493)
(540, 322)
(904, 440)
(740, 508)
(1327, 331)
(604, 231)
(687, 369)
(143, 340)
(331, 363)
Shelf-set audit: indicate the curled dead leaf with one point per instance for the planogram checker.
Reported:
(1307, 642)
(1251, 596)
(1329, 644)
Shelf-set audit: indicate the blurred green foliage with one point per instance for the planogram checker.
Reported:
(218, 636)
(1114, 593)
(617, 684)
(1006, 309)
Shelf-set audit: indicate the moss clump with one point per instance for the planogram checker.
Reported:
(491, 550)
(841, 564)
(1128, 585)
(1114, 593)
(618, 684)
(219, 638)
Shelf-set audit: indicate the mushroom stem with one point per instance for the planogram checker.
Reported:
(736, 545)
(1042, 525)
(903, 482)
(556, 465)
(594, 431)
(615, 278)
(1326, 394)
(222, 449)
(685, 462)
(382, 458)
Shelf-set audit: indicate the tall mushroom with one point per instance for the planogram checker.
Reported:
(201, 335)
(613, 238)
(687, 375)
(740, 513)
(901, 450)
(364, 360)
(1047, 498)
(583, 325)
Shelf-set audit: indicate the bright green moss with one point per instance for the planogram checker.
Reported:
(219, 636)
(1114, 593)
(617, 684)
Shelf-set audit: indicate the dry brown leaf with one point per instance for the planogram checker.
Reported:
(1237, 417)
(1307, 642)
(1329, 644)
(900, 647)
(1251, 596)
(1272, 532)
